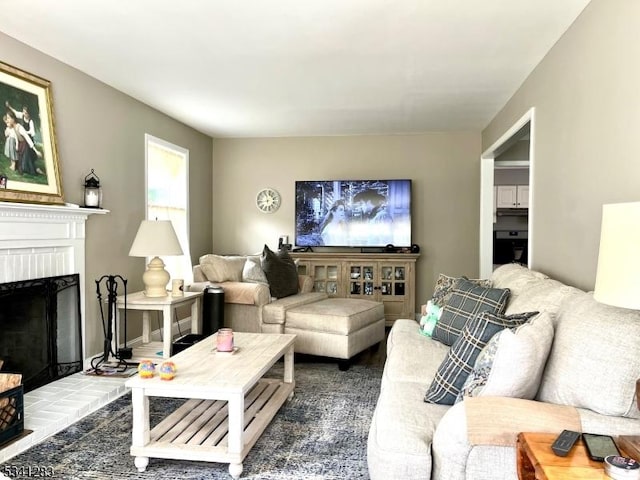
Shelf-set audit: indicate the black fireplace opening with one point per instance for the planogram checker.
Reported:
(40, 329)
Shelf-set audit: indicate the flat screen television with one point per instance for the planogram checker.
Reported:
(353, 213)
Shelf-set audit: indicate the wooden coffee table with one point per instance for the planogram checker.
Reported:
(230, 403)
(537, 461)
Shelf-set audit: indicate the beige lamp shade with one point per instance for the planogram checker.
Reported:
(154, 238)
(618, 274)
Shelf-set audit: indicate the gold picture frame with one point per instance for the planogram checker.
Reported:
(29, 163)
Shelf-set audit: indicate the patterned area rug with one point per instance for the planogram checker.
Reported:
(320, 434)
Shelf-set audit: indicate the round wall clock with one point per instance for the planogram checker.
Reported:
(268, 200)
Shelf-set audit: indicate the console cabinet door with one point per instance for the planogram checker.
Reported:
(395, 290)
(362, 280)
(327, 277)
(386, 282)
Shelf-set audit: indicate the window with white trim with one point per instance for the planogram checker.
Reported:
(167, 187)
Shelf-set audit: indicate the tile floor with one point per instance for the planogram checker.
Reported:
(55, 406)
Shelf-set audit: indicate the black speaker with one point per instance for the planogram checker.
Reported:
(415, 248)
(390, 248)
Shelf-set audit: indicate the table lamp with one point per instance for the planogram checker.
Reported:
(154, 238)
(618, 275)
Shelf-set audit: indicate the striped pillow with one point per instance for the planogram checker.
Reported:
(459, 362)
(467, 300)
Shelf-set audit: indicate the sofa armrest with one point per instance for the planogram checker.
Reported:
(480, 429)
(198, 286)
(243, 293)
(198, 275)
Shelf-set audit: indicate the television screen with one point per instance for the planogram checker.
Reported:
(353, 213)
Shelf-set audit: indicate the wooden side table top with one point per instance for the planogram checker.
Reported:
(536, 460)
(139, 301)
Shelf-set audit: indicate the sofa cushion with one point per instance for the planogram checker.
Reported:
(446, 284)
(544, 295)
(412, 357)
(460, 359)
(218, 268)
(276, 311)
(467, 300)
(402, 430)
(514, 275)
(594, 360)
(511, 364)
(252, 271)
(281, 271)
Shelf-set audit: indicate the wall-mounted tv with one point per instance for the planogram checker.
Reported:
(353, 213)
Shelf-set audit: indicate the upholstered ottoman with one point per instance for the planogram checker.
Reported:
(336, 327)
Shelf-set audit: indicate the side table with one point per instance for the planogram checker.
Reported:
(167, 305)
(536, 460)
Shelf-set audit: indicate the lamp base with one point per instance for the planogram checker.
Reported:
(155, 279)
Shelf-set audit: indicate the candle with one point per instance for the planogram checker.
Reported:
(224, 342)
(177, 287)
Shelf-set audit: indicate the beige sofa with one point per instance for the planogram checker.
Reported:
(249, 307)
(332, 327)
(587, 384)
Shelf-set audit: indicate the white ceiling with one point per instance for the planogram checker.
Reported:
(303, 67)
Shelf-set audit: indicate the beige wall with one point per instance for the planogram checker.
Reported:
(444, 169)
(101, 128)
(586, 93)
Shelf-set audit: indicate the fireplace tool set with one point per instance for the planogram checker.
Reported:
(110, 326)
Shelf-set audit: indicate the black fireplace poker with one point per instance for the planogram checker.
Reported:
(109, 324)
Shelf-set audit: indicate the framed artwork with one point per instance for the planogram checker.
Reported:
(28, 158)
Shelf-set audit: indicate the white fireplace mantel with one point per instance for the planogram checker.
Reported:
(39, 241)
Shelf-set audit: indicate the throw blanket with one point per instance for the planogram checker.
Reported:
(498, 420)
(244, 292)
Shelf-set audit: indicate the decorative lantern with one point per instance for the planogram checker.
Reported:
(92, 191)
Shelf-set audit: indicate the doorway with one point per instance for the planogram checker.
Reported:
(490, 160)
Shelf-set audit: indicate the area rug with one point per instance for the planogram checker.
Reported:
(320, 434)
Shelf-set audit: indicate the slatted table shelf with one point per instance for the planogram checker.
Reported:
(199, 428)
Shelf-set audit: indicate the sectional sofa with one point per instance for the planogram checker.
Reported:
(586, 382)
(332, 327)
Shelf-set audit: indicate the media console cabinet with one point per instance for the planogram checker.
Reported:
(384, 277)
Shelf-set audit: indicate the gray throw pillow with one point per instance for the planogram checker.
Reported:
(467, 300)
(461, 357)
(281, 272)
(252, 271)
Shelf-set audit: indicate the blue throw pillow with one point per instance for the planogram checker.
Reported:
(459, 362)
(467, 300)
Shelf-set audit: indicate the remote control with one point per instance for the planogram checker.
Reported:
(565, 441)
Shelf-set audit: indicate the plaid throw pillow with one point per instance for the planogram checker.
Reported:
(467, 300)
(446, 284)
(460, 359)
